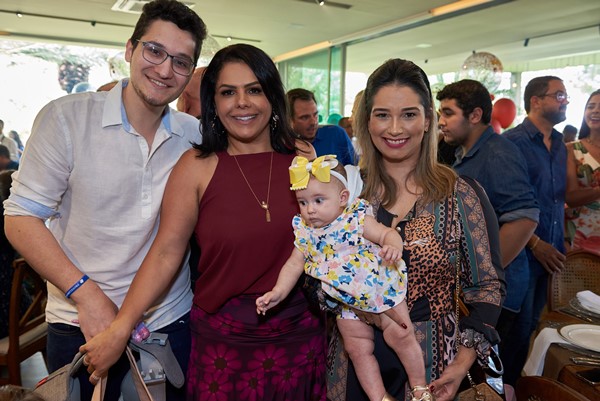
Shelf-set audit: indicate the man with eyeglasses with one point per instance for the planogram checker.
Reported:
(545, 153)
(94, 171)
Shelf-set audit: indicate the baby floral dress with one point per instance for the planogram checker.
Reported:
(348, 265)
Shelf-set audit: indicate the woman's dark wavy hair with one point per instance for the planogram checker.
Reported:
(214, 137)
(584, 131)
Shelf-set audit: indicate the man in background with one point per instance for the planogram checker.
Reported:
(97, 177)
(569, 133)
(189, 101)
(5, 162)
(545, 153)
(498, 165)
(328, 139)
(10, 143)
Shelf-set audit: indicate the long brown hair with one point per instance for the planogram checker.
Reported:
(435, 180)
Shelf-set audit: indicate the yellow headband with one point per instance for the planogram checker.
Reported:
(320, 168)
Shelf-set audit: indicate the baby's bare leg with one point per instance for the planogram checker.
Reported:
(359, 343)
(399, 334)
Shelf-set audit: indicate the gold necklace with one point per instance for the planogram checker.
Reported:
(263, 204)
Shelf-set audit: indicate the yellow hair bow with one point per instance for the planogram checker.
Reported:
(301, 169)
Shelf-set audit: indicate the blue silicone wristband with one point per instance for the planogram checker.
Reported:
(76, 286)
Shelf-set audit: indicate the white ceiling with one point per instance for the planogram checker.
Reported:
(560, 32)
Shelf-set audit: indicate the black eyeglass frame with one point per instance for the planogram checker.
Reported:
(150, 45)
(560, 96)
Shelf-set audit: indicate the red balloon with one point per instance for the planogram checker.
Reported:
(496, 126)
(504, 111)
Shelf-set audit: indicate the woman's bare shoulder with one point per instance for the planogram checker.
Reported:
(195, 169)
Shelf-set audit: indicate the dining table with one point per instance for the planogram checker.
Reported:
(563, 359)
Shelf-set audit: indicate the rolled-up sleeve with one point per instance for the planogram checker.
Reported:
(42, 179)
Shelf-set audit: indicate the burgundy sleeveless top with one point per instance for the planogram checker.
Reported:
(240, 252)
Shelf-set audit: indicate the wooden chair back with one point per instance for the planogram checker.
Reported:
(540, 388)
(581, 272)
(27, 332)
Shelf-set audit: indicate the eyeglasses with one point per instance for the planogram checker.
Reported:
(157, 55)
(560, 96)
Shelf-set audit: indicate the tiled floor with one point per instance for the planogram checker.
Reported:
(33, 370)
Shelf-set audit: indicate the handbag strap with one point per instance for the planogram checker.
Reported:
(140, 386)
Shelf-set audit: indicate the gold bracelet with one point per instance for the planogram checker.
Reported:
(534, 243)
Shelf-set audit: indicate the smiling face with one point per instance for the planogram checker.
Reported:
(592, 114)
(322, 202)
(397, 122)
(241, 105)
(157, 85)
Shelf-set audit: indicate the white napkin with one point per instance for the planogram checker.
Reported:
(535, 363)
(589, 301)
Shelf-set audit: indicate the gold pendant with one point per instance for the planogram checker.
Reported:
(268, 214)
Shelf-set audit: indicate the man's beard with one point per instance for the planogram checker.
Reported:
(555, 117)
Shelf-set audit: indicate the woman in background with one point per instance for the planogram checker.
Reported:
(583, 182)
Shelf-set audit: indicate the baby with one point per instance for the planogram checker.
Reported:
(336, 243)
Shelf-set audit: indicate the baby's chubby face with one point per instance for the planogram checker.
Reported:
(322, 202)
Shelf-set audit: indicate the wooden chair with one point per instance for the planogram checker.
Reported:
(581, 272)
(27, 332)
(540, 388)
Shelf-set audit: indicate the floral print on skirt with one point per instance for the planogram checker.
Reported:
(239, 355)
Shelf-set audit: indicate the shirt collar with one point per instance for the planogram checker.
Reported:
(114, 112)
(532, 131)
(485, 136)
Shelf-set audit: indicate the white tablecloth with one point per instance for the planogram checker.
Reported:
(535, 363)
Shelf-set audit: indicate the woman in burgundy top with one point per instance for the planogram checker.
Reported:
(233, 192)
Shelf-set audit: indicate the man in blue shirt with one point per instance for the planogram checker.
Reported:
(546, 103)
(497, 164)
(328, 139)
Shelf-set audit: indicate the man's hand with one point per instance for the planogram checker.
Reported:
(95, 311)
(550, 258)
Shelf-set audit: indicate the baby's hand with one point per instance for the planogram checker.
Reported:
(390, 254)
(266, 302)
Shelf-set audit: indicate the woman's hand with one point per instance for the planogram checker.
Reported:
(446, 386)
(102, 351)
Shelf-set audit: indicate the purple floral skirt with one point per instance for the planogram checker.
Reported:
(239, 355)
